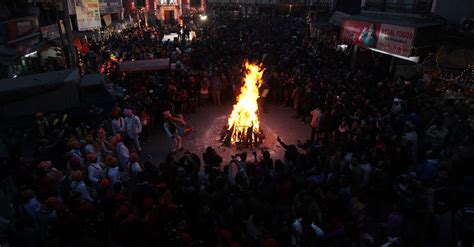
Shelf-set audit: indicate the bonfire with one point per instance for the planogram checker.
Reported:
(243, 125)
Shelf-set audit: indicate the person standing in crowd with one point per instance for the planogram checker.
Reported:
(118, 123)
(133, 128)
(112, 171)
(146, 125)
(365, 157)
(135, 167)
(172, 132)
(79, 188)
(315, 120)
(94, 170)
(41, 125)
(216, 88)
(123, 153)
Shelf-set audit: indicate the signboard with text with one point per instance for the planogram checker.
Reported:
(110, 6)
(396, 39)
(51, 32)
(88, 14)
(392, 39)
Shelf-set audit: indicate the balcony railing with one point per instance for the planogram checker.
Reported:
(419, 7)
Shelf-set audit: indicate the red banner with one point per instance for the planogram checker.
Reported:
(392, 39)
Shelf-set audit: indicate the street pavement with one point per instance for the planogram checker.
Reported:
(208, 122)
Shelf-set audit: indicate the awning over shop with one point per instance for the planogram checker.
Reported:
(400, 20)
(455, 58)
(450, 60)
(9, 55)
(146, 65)
(25, 86)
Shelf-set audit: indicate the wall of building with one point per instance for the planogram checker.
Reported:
(454, 10)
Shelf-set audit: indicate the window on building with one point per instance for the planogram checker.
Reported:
(195, 3)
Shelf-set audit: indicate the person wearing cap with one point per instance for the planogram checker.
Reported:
(397, 107)
(30, 207)
(79, 188)
(76, 150)
(113, 173)
(123, 154)
(135, 167)
(133, 128)
(94, 170)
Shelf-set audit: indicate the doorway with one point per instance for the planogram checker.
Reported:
(169, 16)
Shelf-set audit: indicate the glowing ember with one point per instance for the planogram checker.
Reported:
(243, 122)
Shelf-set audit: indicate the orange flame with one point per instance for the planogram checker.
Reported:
(244, 114)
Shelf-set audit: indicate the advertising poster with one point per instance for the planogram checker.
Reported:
(396, 39)
(361, 33)
(392, 39)
(88, 15)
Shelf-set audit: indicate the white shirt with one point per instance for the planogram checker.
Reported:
(123, 155)
(81, 188)
(133, 125)
(118, 125)
(94, 172)
(135, 169)
(114, 175)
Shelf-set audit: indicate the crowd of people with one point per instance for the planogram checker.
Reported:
(383, 158)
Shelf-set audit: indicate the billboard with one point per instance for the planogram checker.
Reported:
(88, 15)
(392, 39)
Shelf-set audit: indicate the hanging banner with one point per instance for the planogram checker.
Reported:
(107, 19)
(110, 6)
(361, 33)
(392, 39)
(396, 39)
(88, 14)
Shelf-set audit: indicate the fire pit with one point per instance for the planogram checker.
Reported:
(243, 126)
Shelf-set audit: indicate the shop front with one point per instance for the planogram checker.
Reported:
(110, 11)
(401, 40)
(19, 45)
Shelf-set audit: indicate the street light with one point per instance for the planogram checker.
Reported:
(203, 17)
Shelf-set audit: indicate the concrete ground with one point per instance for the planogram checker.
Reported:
(208, 121)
